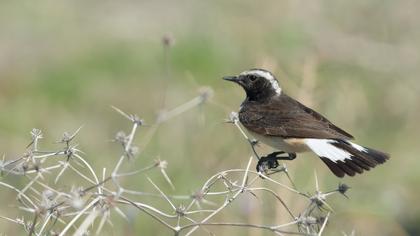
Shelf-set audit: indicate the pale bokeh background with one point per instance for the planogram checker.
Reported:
(63, 63)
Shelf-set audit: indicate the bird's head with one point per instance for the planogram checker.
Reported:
(257, 83)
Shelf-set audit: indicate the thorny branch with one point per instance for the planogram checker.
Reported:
(55, 210)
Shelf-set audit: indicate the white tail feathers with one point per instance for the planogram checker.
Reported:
(344, 157)
(325, 148)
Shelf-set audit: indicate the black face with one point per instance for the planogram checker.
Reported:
(256, 86)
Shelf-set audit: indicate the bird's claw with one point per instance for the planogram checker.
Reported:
(268, 162)
(271, 161)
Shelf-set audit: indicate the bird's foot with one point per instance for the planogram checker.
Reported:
(271, 161)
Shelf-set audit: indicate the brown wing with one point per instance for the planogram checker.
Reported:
(285, 117)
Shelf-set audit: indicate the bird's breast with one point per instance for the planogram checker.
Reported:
(290, 145)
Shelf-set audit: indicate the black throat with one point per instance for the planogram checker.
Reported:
(260, 94)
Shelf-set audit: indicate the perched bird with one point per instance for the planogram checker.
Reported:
(285, 124)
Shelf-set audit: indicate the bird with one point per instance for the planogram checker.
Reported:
(285, 124)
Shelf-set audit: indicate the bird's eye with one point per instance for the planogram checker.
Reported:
(253, 77)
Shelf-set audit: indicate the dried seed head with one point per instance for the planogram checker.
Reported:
(233, 117)
(132, 151)
(121, 137)
(47, 199)
(205, 93)
(48, 194)
(342, 188)
(308, 220)
(65, 138)
(319, 199)
(69, 152)
(162, 164)
(36, 134)
(168, 40)
(25, 166)
(180, 211)
(137, 120)
(198, 195)
(76, 200)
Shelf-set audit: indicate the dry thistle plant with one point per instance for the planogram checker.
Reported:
(48, 209)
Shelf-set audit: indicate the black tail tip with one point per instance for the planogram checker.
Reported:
(378, 156)
(359, 161)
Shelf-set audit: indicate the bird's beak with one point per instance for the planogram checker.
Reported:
(231, 78)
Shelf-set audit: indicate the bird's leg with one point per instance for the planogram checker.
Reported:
(271, 160)
(289, 157)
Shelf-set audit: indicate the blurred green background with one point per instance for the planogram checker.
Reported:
(64, 63)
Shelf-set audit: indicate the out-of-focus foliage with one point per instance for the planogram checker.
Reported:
(63, 63)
